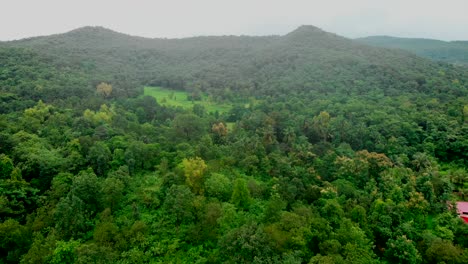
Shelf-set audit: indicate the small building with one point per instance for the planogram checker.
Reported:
(462, 210)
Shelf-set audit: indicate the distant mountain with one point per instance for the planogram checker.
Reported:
(306, 59)
(455, 52)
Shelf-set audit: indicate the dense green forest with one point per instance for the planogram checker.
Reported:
(326, 151)
(455, 52)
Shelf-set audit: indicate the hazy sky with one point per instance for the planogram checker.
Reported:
(438, 19)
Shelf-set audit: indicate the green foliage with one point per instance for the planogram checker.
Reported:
(112, 190)
(194, 170)
(240, 194)
(402, 250)
(17, 198)
(41, 249)
(300, 148)
(99, 157)
(219, 186)
(188, 126)
(179, 203)
(36, 158)
(6, 167)
(15, 240)
(355, 254)
(444, 251)
(246, 244)
(71, 217)
(447, 51)
(65, 252)
(106, 232)
(321, 125)
(176, 98)
(86, 186)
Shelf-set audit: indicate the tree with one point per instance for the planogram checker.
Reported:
(37, 159)
(422, 161)
(365, 166)
(459, 177)
(112, 190)
(332, 211)
(41, 249)
(65, 252)
(443, 251)
(188, 126)
(88, 188)
(355, 254)
(220, 132)
(99, 157)
(402, 250)
(319, 259)
(95, 253)
(219, 186)
(71, 218)
(207, 225)
(6, 166)
(199, 110)
(321, 124)
(194, 171)
(15, 239)
(358, 215)
(106, 232)
(104, 89)
(291, 232)
(195, 95)
(17, 199)
(34, 117)
(465, 114)
(275, 205)
(241, 195)
(179, 204)
(246, 244)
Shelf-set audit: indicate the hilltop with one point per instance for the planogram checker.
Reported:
(307, 58)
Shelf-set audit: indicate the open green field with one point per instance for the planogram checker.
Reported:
(175, 98)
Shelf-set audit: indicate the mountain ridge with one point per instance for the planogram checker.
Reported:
(307, 58)
(455, 52)
(100, 30)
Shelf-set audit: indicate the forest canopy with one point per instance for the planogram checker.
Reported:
(326, 151)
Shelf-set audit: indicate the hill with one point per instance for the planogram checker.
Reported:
(302, 148)
(303, 60)
(455, 52)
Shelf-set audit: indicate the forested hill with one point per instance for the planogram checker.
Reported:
(305, 59)
(455, 52)
(302, 148)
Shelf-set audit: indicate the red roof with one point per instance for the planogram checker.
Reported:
(464, 218)
(462, 208)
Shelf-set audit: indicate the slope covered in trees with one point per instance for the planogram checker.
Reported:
(339, 152)
(455, 52)
(303, 60)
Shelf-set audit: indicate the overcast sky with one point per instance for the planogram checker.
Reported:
(439, 19)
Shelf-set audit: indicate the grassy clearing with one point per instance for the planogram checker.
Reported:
(175, 98)
(230, 126)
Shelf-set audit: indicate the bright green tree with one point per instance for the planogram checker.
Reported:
(219, 186)
(241, 194)
(194, 171)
